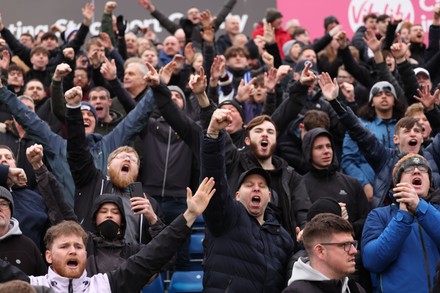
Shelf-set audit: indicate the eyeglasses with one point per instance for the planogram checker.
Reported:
(345, 245)
(80, 76)
(4, 205)
(124, 156)
(411, 169)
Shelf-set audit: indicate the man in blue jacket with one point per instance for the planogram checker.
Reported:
(401, 242)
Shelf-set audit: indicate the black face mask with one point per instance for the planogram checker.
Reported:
(109, 230)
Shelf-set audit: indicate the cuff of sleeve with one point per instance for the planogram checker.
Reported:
(422, 208)
(73, 107)
(404, 217)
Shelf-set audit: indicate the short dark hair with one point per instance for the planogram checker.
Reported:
(314, 119)
(99, 89)
(234, 51)
(64, 228)
(368, 16)
(3, 146)
(322, 227)
(257, 121)
(27, 35)
(382, 17)
(49, 35)
(298, 31)
(14, 67)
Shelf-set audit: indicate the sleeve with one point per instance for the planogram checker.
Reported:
(79, 157)
(107, 26)
(9, 272)
(389, 36)
(53, 196)
(360, 73)
(139, 268)
(382, 242)
(123, 96)
(221, 213)
(428, 216)
(321, 43)
(221, 16)
(409, 81)
(79, 39)
(351, 161)
(16, 47)
(170, 26)
(433, 42)
(57, 100)
(132, 124)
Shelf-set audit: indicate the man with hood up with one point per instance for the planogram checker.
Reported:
(324, 179)
(106, 247)
(15, 247)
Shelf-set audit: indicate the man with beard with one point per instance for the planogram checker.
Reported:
(90, 182)
(289, 197)
(67, 256)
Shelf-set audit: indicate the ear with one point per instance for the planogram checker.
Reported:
(302, 131)
(110, 102)
(319, 251)
(247, 141)
(48, 255)
(237, 195)
(396, 139)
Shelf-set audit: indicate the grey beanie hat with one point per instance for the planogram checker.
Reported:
(175, 88)
(4, 193)
(382, 86)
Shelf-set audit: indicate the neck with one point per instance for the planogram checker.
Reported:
(4, 230)
(325, 270)
(107, 119)
(266, 164)
(385, 114)
(21, 132)
(135, 92)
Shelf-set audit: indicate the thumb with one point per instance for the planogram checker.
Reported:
(113, 62)
(297, 230)
(189, 194)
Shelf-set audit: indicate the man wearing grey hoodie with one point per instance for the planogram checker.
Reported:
(16, 248)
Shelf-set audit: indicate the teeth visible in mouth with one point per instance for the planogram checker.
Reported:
(256, 199)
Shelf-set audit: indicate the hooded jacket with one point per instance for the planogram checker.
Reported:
(104, 128)
(329, 182)
(21, 251)
(130, 276)
(307, 279)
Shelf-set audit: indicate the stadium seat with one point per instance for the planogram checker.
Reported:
(186, 281)
(155, 287)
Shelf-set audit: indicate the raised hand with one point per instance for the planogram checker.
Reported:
(282, 71)
(69, 53)
(372, 42)
(189, 53)
(87, 12)
(106, 41)
(206, 18)
(219, 120)
(341, 38)
(208, 34)
(61, 71)
(34, 155)
(307, 77)
(152, 77)
(5, 60)
(73, 96)
(425, 97)
(147, 5)
(329, 88)
(399, 49)
(198, 203)
(167, 71)
(218, 67)
(267, 59)
(142, 206)
(110, 6)
(270, 80)
(16, 176)
(244, 90)
(197, 83)
(347, 90)
(108, 69)
(268, 33)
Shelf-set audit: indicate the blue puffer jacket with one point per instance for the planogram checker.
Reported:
(55, 146)
(356, 165)
(381, 158)
(401, 250)
(241, 254)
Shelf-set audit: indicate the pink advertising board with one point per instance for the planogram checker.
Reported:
(311, 13)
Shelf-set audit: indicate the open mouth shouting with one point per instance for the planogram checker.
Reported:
(125, 169)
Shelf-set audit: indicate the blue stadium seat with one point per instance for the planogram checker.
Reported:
(196, 251)
(155, 287)
(199, 224)
(186, 282)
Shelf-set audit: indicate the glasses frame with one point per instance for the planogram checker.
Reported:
(411, 169)
(344, 245)
(4, 205)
